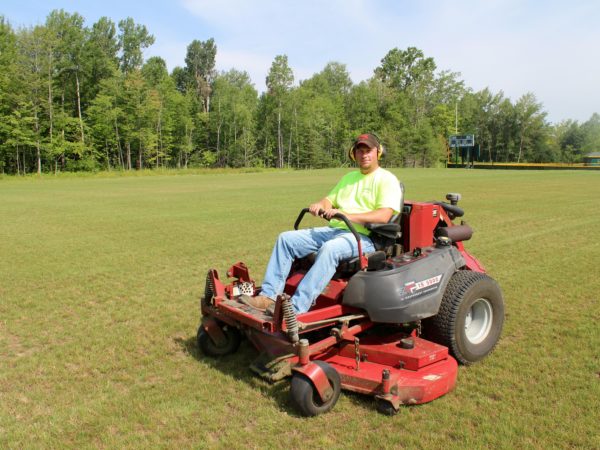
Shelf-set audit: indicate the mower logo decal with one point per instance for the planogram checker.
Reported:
(432, 377)
(411, 287)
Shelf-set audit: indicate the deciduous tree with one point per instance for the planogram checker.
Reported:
(279, 81)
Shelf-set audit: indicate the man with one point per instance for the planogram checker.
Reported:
(370, 195)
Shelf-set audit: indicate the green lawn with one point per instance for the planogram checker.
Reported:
(99, 285)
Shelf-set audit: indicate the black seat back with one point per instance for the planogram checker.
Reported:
(385, 235)
(396, 217)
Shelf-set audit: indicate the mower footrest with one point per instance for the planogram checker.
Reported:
(245, 314)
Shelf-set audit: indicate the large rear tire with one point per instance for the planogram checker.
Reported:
(470, 318)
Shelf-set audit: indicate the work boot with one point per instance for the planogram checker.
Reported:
(270, 311)
(259, 302)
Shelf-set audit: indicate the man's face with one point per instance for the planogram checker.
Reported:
(366, 158)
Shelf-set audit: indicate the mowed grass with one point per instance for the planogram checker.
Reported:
(99, 286)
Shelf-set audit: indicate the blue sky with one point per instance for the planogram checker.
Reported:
(550, 48)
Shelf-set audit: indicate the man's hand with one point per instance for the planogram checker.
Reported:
(329, 213)
(314, 209)
(323, 205)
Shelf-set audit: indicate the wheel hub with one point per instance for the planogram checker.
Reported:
(478, 321)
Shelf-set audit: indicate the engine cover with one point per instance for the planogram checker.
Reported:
(409, 289)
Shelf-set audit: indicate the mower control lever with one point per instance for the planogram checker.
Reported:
(339, 216)
(343, 218)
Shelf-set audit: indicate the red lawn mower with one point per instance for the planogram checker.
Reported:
(392, 323)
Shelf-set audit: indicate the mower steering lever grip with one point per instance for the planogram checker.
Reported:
(299, 219)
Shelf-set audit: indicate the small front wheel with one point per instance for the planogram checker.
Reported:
(305, 397)
(210, 348)
(386, 408)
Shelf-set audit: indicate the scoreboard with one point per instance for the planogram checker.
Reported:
(464, 140)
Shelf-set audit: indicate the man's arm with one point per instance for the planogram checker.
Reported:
(381, 215)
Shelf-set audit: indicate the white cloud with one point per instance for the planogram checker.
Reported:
(173, 52)
(253, 33)
(545, 48)
(256, 64)
(519, 47)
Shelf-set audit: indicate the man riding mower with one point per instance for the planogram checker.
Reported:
(365, 330)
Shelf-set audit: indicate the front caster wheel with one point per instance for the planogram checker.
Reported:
(305, 396)
(211, 348)
(386, 408)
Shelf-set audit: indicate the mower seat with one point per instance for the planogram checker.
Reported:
(385, 235)
(375, 261)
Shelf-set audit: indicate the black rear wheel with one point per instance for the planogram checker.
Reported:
(211, 348)
(470, 318)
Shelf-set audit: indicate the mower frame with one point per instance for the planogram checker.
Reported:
(391, 362)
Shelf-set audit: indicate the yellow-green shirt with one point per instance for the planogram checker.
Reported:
(357, 193)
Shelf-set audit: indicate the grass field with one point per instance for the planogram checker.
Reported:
(99, 285)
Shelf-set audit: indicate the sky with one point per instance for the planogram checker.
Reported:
(549, 48)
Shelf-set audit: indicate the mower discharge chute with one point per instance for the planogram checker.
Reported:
(366, 331)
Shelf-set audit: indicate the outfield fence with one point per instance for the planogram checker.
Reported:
(522, 166)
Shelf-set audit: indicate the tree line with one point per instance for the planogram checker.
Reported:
(74, 97)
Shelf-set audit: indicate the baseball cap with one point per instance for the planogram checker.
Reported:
(367, 139)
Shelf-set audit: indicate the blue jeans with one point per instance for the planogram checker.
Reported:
(331, 244)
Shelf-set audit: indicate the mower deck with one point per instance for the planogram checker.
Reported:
(415, 375)
(397, 368)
